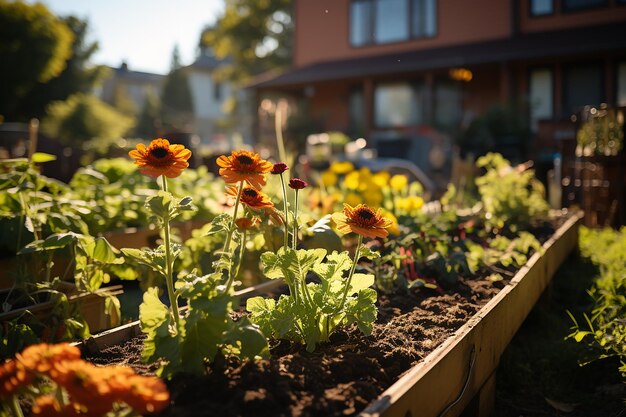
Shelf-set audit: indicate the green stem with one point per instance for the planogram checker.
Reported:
(295, 223)
(279, 136)
(349, 281)
(282, 183)
(49, 267)
(15, 407)
(242, 250)
(169, 280)
(231, 230)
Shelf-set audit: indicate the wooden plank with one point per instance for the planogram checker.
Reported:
(428, 388)
(120, 334)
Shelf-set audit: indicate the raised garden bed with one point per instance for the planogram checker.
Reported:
(431, 355)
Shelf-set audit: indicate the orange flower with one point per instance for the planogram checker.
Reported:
(13, 377)
(251, 197)
(361, 220)
(244, 166)
(161, 158)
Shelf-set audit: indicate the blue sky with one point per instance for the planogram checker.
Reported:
(142, 32)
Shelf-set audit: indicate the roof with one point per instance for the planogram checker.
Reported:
(516, 48)
(140, 76)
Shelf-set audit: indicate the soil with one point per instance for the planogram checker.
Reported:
(339, 379)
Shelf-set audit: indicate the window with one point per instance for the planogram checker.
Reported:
(398, 104)
(217, 91)
(385, 21)
(423, 18)
(448, 106)
(541, 7)
(540, 96)
(582, 85)
(573, 5)
(356, 106)
(391, 24)
(621, 84)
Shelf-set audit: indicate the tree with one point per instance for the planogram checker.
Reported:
(149, 122)
(77, 77)
(176, 101)
(256, 35)
(34, 46)
(85, 121)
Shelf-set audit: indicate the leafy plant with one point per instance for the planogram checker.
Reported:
(511, 196)
(43, 227)
(183, 342)
(313, 311)
(605, 328)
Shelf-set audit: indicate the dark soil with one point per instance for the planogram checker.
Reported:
(340, 378)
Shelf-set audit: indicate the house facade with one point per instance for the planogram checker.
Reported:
(417, 77)
(130, 85)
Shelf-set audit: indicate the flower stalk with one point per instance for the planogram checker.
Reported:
(169, 279)
(231, 230)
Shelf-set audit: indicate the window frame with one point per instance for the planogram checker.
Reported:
(566, 9)
(371, 22)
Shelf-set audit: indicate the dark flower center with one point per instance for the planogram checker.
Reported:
(249, 192)
(245, 159)
(365, 214)
(159, 152)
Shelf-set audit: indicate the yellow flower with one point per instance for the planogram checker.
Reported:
(373, 195)
(353, 199)
(381, 178)
(341, 168)
(393, 228)
(410, 204)
(329, 178)
(352, 180)
(398, 182)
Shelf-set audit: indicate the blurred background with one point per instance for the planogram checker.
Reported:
(422, 87)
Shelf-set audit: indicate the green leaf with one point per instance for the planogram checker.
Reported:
(103, 251)
(220, 223)
(360, 282)
(248, 339)
(161, 204)
(52, 242)
(162, 339)
(41, 157)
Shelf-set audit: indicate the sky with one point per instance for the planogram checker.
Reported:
(142, 33)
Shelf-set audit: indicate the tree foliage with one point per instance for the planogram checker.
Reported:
(176, 101)
(77, 77)
(34, 45)
(256, 36)
(83, 120)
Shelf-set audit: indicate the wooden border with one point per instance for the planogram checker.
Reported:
(467, 360)
(120, 334)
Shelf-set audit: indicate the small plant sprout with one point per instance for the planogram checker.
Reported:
(313, 311)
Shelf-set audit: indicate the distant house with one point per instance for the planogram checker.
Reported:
(209, 95)
(411, 76)
(135, 86)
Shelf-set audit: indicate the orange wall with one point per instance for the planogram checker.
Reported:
(563, 20)
(322, 28)
(329, 105)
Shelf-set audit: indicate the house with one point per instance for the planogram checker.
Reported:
(414, 77)
(210, 96)
(126, 87)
